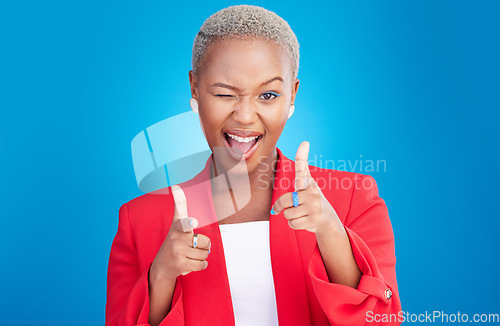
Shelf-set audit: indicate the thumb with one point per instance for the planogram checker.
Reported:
(187, 224)
(302, 166)
(181, 219)
(180, 202)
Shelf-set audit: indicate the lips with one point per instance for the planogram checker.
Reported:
(241, 143)
(242, 133)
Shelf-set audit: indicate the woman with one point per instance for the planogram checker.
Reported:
(286, 243)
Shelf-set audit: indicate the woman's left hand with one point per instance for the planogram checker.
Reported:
(314, 213)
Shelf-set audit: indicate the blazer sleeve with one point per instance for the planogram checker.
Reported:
(127, 284)
(376, 299)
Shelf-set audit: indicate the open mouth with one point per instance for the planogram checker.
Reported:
(241, 147)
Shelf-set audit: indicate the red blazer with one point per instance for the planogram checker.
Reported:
(304, 296)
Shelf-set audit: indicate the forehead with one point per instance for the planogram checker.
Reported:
(245, 60)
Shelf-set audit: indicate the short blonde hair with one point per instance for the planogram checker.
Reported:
(245, 20)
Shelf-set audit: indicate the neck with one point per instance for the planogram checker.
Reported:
(250, 193)
(260, 179)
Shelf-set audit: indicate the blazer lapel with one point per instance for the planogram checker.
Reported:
(289, 282)
(206, 294)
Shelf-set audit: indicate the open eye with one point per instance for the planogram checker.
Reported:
(269, 95)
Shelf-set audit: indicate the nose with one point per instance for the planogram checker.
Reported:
(245, 112)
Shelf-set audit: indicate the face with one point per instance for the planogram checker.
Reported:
(244, 89)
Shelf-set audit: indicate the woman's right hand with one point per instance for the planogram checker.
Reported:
(177, 255)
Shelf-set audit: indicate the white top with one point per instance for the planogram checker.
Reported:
(248, 263)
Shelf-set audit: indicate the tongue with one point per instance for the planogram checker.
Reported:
(240, 147)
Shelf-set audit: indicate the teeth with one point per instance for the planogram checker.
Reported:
(242, 139)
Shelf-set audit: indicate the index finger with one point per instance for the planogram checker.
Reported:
(301, 165)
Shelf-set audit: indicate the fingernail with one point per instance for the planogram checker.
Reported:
(272, 211)
(208, 250)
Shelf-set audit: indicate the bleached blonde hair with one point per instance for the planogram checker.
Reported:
(245, 21)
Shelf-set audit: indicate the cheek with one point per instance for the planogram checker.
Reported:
(212, 119)
(214, 109)
(208, 125)
(275, 120)
(201, 126)
(217, 110)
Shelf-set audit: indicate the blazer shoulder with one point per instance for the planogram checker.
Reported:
(150, 207)
(336, 180)
(339, 187)
(320, 170)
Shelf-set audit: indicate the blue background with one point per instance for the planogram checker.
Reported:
(414, 83)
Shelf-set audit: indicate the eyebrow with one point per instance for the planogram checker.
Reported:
(234, 88)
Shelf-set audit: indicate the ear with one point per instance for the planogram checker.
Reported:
(193, 81)
(295, 88)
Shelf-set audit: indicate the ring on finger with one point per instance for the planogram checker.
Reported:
(295, 198)
(195, 240)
